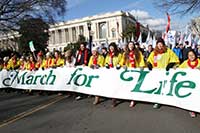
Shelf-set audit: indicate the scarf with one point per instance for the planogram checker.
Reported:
(155, 63)
(195, 64)
(132, 59)
(85, 56)
(32, 65)
(22, 66)
(95, 58)
(56, 61)
(38, 64)
(5, 65)
(111, 59)
(48, 63)
(14, 62)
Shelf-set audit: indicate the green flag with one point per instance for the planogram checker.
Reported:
(31, 46)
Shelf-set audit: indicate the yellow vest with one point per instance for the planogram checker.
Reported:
(185, 64)
(163, 59)
(100, 60)
(48, 63)
(59, 62)
(116, 59)
(13, 65)
(127, 63)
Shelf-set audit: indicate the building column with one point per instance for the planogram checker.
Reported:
(63, 36)
(108, 29)
(77, 33)
(56, 37)
(70, 34)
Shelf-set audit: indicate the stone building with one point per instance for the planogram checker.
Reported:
(102, 28)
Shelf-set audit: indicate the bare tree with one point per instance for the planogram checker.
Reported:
(12, 11)
(179, 6)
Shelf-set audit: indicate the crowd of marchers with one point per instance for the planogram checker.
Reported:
(131, 55)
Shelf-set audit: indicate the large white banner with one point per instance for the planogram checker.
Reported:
(178, 87)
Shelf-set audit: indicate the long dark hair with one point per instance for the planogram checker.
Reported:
(163, 50)
(136, 52)
(116, 51)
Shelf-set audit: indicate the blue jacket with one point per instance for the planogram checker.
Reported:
(178, 52)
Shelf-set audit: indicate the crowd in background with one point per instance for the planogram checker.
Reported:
(130, 55)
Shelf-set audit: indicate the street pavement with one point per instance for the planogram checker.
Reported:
(21, 113)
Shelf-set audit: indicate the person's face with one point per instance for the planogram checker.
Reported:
(31, 58)
(56, 54)
(149, 48)
(103, 51)
(181, 46)
(47, 56)
(191, 56)
(131, 46)
(160, 45)
(111, 49)
(94, 52)
(82, 47)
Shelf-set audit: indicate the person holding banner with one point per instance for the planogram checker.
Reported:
(82, 55)
(58, 61)
(193, 63)
(49, 61)
(13, 62)
(1, 64)
(162, 57)
(112, 60)
(132, 58)
(82, 59)
(96, 61)
(30, 64)
(6, 66)
(69, 59)
(40, 62)
(22, 63)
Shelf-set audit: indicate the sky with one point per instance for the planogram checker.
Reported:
(145, 12)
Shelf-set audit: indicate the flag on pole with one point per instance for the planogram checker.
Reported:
(132, 38)
(198, 43)
(154, 41)
(137, 30)
(31, 46)
(171, 38)
(148, 39)
(189, 39)
(168, 23)
(181, 40)
(165, 38)
(140, 39)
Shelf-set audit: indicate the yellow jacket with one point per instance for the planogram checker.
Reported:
(30, 66)
(39, 65)
(48, 63)
(127, 63)
(6, 66)
(185, 64)
(100, 60)
(163, 59)
(13, 64)
(59, 62)
(116, 59)
(1, 66)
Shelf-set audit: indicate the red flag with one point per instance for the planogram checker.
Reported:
(137, 30)
(168, 23)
